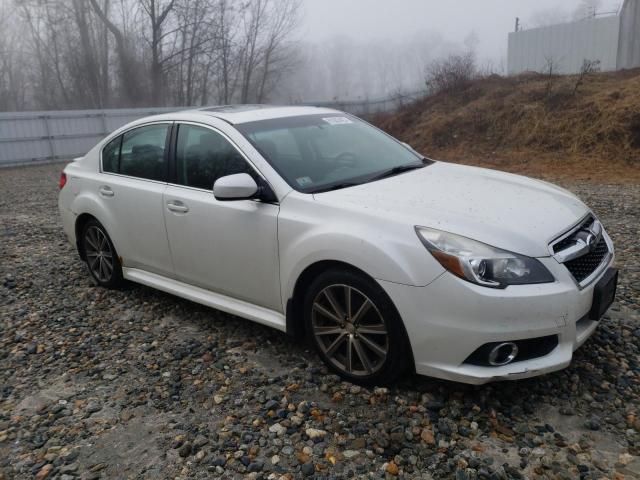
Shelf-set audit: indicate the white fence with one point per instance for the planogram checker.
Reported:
(40, 137)
(36, 137)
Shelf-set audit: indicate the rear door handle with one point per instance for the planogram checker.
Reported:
(177, 206)
(106, 191)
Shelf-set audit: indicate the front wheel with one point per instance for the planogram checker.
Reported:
(355, 328)
(101, 256)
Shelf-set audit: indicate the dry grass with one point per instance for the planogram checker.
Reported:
(533, 124)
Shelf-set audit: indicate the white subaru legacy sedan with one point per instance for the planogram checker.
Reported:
(314, 222)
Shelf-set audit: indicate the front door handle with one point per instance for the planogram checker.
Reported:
(177, 206)
(106, 191)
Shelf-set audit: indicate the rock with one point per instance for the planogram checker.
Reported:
(185, 450)
(427, 436)
(93, 407)
(392, 468)
(71, 468)
(308, 469)
(256, 466)
(625, 458)
(278, 429)
(593, 423)
(287, 450)
(315, 434)
(349, 454)
(44, 472)
(200, 441)
(358, 443)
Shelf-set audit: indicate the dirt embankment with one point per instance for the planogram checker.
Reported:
(585, 129)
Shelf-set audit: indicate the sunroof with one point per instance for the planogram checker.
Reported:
(236, 108)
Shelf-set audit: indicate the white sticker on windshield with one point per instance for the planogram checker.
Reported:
(337, 120)
(304, 181)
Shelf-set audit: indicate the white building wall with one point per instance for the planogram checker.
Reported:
(629, 46)
(566, 45)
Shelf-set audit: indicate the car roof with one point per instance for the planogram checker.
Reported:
(236, 114)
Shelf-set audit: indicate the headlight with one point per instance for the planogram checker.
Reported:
(481, 263)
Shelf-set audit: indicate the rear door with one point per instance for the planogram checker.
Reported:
(229, 247)
(133, 180)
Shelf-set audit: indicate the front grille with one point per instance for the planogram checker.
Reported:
(571, 240)
(584, 266)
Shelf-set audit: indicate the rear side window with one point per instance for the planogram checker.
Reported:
(203, 156)
(143, 152)
(111, 155)
(138, 153)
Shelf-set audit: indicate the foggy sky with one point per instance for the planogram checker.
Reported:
(455, 20)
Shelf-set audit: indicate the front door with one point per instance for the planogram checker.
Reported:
(228, 247)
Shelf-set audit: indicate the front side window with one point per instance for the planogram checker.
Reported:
(319, 152)
(142, 153)
(203, 156)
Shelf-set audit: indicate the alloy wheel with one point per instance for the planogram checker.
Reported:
(99, 254)
(350, 330)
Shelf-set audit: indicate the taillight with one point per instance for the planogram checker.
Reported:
(63, 180)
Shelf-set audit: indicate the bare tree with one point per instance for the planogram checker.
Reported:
(227, 66)
(164, 51)
(157, 12)
(278, 57)
(266, 26)
(13, 81)
(130, 88)
(588, 67)
(550, 70)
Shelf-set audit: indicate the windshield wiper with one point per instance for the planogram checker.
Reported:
(387, 173)
(397, 170)
(337, 186)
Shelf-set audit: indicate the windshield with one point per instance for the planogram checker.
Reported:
(315, 153)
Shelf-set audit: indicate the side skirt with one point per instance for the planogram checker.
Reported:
(258, 314)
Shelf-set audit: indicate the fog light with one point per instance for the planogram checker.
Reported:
(503, 354)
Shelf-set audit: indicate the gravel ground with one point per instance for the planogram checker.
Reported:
(140, 384)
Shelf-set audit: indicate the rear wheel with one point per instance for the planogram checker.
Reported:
(101, 256)
(355, 328)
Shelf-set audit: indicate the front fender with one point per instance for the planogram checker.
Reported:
(385, 250)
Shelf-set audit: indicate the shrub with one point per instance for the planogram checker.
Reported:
(452, 74)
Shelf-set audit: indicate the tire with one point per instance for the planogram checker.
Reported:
(100, 256)
(380, 350)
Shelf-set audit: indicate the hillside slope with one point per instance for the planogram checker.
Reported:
(532, 124)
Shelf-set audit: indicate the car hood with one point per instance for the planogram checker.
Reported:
(507, 211)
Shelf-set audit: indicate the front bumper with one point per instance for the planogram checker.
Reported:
(449, 319)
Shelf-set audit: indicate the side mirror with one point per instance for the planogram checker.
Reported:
(240, 186)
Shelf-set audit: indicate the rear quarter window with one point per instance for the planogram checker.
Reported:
(111, 155)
